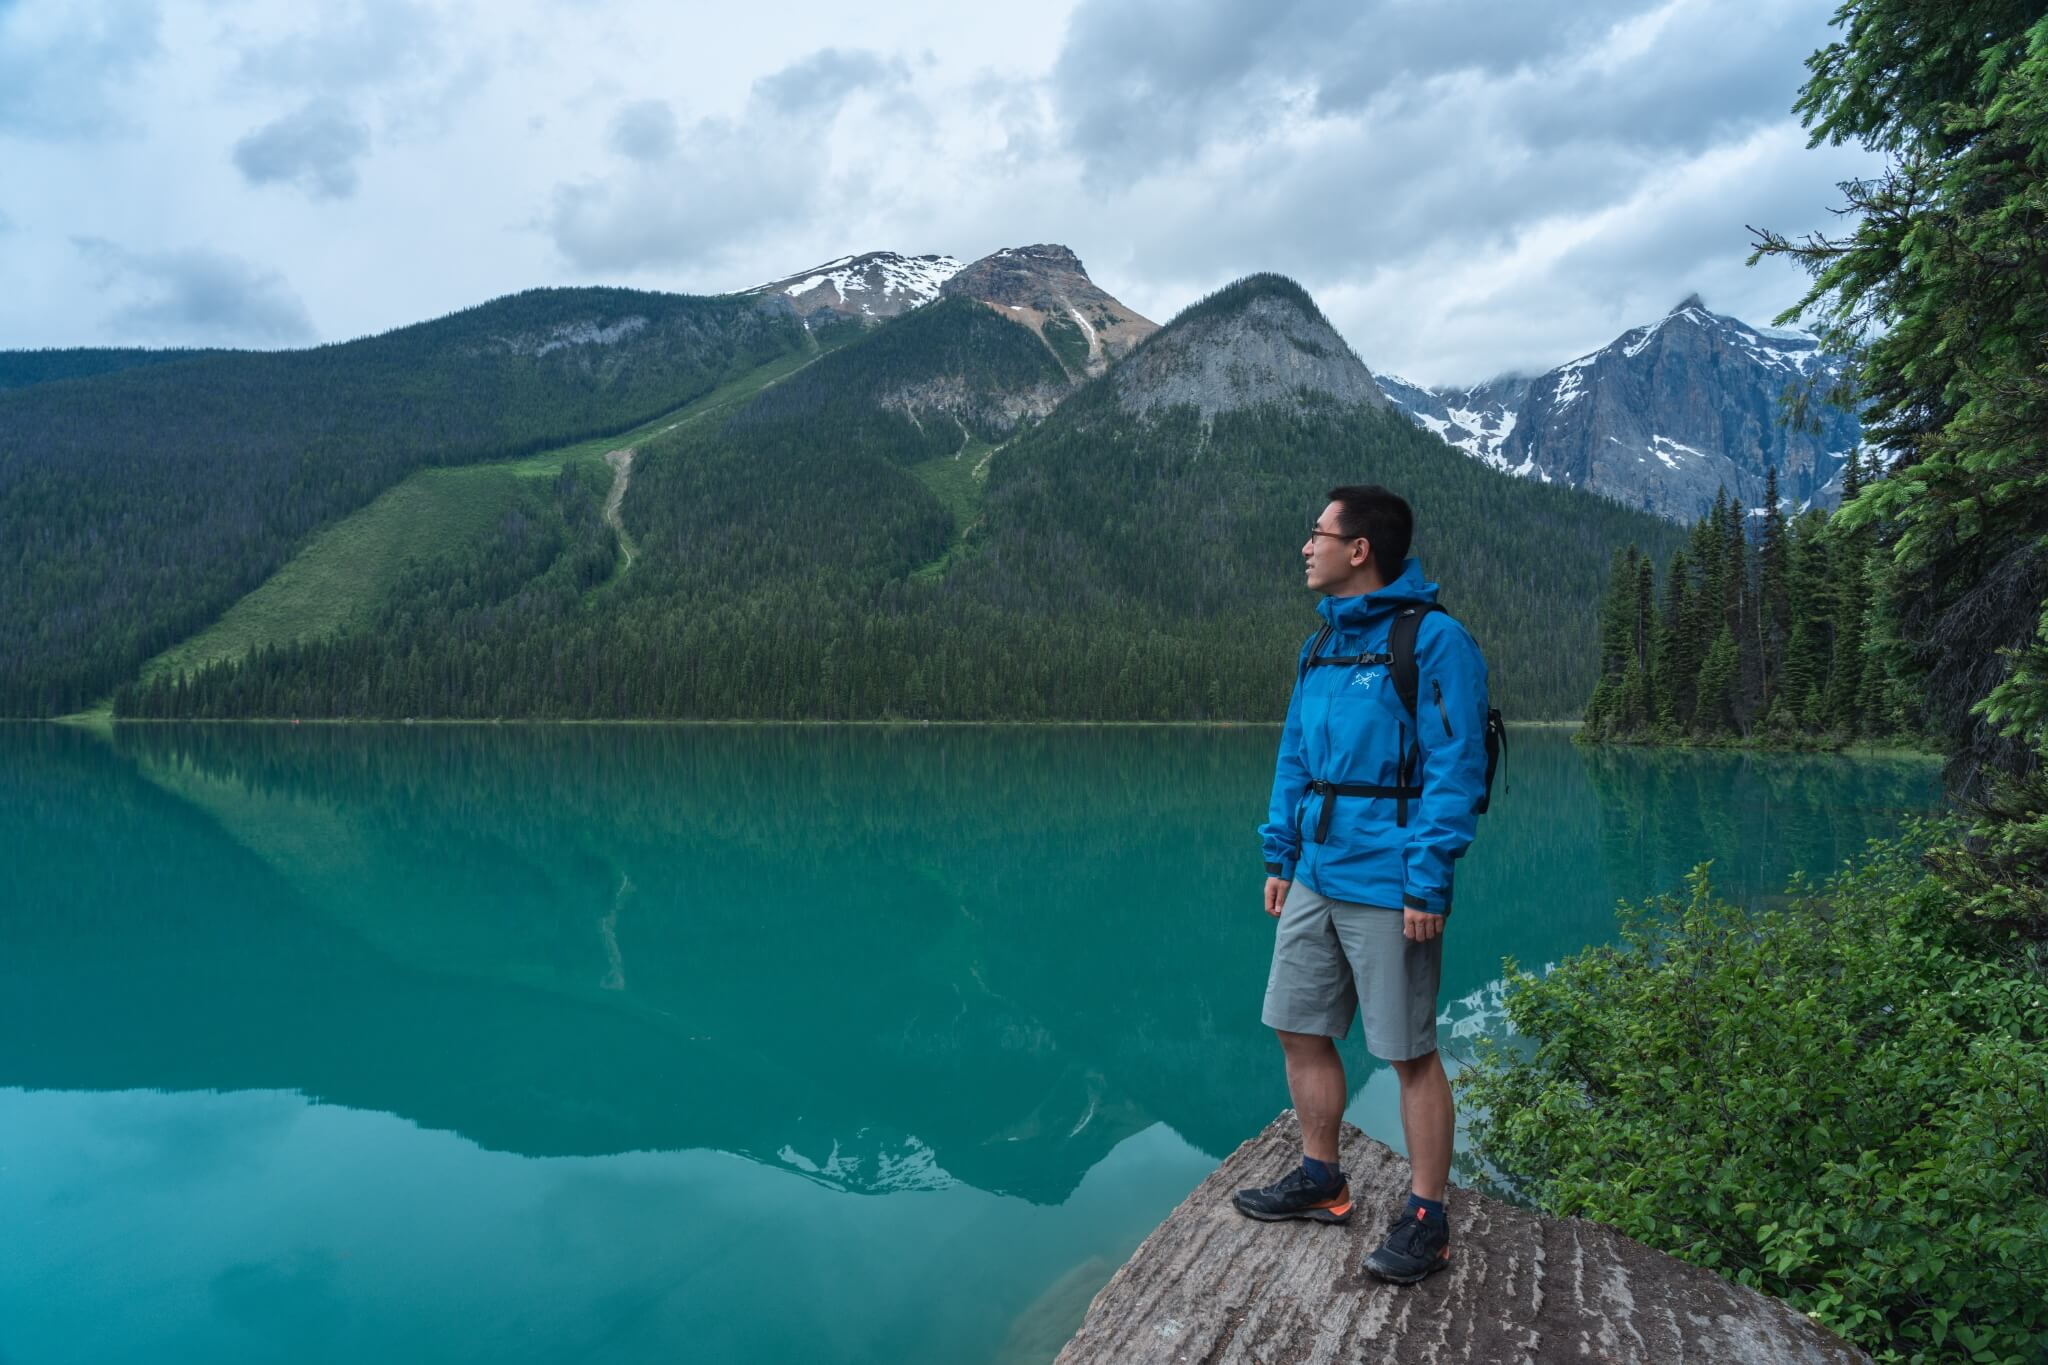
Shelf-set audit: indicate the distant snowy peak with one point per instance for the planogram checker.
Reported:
(1662, 417)
(879, 284)
(1778, 348)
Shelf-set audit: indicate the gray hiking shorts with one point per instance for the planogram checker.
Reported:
(1333, 959)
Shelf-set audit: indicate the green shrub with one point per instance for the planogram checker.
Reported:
(1843, 1103)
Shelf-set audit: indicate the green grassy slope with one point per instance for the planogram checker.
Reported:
(345, 574)
(348, 570)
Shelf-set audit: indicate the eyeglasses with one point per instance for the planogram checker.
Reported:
(1315, 531)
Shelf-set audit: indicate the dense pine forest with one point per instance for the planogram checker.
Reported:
(135, 506)
(1764, 630)
(829, 553)
(20, 369)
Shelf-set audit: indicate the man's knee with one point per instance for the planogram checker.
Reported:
(1305, 1044)
(1418, 1068)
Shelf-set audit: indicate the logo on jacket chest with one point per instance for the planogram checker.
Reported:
(1365, 677)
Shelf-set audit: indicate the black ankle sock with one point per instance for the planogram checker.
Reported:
(1327, 1175)
(1432, 1209)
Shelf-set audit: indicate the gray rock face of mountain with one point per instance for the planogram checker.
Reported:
(1661, 418)
(1260, 341)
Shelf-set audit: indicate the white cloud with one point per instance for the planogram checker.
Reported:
(644, 130)
(348, 45)
(196, 295)
(315, 147)
(62, 65)
(691, 194)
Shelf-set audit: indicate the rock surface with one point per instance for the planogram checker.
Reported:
(1211, 1286)
(1660, 418)
(1259, 341)
(1046, 288)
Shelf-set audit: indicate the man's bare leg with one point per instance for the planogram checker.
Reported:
(1315, 1080)
(1428, 1120)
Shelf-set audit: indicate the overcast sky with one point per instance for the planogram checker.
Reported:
(1466, 186)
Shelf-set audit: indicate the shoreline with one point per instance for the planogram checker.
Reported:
(1739, 745)
(97, 720)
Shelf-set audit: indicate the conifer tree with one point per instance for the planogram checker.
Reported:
(1677, 654)
(1643, 696)
(1617, 643)
(1774, 603)
(1718, 670)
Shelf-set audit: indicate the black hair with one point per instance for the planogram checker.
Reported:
(1380, 515)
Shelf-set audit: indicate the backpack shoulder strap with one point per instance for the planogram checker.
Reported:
(1315, 647)
(1401, 644)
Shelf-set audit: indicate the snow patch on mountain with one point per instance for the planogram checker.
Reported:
(878, 284)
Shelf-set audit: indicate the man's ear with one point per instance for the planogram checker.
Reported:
(1360, 558)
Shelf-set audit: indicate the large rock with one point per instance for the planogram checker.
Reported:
(1211, 1286)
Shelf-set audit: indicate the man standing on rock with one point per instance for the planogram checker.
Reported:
(1381, 775)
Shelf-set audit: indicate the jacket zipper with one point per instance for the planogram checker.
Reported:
(1438, 689)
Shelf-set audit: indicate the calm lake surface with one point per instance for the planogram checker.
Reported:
(700, 1044)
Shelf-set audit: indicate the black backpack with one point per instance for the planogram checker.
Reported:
(1400, 662)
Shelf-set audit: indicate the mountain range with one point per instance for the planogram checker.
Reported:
(886, 486)
(1661, 418)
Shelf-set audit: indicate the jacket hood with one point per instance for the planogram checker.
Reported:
(1407, 590)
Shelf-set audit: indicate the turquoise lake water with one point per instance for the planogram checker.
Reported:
(701, 1043)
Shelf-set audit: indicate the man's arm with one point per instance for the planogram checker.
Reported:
(1279, 839)
(1450, 724)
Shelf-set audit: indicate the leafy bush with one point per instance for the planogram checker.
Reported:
(1843, 1102)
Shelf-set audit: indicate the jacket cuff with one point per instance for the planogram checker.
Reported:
(1284, 871)
(1411, 901)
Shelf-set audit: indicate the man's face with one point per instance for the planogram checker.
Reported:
(1327, 558)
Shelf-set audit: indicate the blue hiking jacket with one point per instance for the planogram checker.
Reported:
(1347, 725)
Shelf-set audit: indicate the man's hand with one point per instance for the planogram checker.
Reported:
(1276, 895)
(1420, 925)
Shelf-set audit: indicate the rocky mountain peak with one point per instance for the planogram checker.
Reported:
(1046, 288)
(1662, 417)
(870, 287)
(1261, 340)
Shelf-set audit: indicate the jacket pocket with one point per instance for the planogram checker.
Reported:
(1437, 689)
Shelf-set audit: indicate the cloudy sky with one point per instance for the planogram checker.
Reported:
(1466, 186)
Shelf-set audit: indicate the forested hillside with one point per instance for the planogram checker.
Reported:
(135, 507)
(805, 559)
(20, 369)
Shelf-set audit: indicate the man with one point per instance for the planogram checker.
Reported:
(1372, 805)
